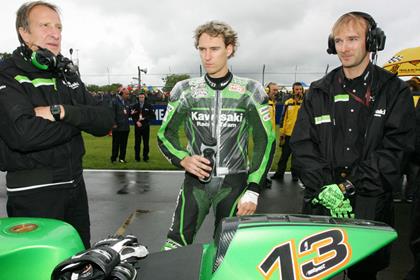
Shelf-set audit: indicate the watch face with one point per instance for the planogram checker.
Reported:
(55, 109)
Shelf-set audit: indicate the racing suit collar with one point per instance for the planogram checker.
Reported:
(218, 83)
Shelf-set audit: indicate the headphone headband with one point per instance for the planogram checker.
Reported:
(375, 37)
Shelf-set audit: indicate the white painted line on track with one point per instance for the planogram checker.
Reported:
(145, 171)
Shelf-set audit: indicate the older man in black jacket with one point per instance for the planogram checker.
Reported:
(44, 107)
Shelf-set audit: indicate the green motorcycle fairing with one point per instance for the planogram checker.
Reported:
(291, 247)
(30, 248)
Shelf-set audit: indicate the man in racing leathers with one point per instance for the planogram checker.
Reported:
(218, 111)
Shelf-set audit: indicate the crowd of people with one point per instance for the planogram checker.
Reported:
(350, 135)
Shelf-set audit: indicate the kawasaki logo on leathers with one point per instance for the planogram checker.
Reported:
(227, 120)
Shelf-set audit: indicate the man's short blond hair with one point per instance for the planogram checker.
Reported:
(347, 19)
(216, 28)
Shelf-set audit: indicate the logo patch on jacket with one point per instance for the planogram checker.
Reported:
(380, 112)
(236, 88)
(323, 119)
(71, 85)
(2, 87)
(265, 113)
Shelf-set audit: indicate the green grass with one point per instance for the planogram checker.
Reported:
(98, 153)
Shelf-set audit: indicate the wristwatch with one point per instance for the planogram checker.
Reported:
(55, 111)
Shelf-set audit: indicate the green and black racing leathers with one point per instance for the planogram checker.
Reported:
(219, 117)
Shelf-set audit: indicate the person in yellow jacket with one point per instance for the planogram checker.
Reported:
(272, 89)
(287, 123)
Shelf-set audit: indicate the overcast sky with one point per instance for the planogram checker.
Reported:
(112, 38)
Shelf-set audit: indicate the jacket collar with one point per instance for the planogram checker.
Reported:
(22, 60)
(379, 79)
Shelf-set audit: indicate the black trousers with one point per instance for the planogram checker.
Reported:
(286, 151)
(68, 203)
(378, 208)
(139, 134)
(415, 235)
(119, 144)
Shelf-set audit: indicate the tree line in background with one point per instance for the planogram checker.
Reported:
(170, 80)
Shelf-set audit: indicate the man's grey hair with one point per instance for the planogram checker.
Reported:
(22, 15)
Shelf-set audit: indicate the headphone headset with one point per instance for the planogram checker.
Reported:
(375, 37)
(44, 59)
(299, 84)
(267, 87)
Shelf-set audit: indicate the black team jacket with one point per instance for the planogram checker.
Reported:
(35, 152)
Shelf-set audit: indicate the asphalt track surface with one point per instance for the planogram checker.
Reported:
(114, 195)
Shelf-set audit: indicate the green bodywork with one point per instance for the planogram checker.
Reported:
(30, 248)
(277, 243)
(281, 247)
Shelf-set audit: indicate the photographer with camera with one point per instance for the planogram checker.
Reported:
(44, 108)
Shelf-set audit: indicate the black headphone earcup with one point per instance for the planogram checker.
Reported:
(44, 59)
(331, 45)
(379, 37)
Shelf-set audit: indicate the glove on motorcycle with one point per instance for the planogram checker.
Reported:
(94, 263)
(127, 247)
(344, 211)
(330, 197)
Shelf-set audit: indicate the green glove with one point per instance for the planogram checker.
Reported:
(330, 197)
(344, 211)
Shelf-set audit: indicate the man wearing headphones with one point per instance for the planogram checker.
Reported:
(354, 129)
(287, 123)
(44, 107)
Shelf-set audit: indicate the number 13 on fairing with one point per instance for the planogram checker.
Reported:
(317, 256)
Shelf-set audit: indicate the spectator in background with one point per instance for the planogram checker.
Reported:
(142, 114)
(287, 124)
(121, 128)
(272, 90)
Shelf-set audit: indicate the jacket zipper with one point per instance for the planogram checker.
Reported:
(216, 127)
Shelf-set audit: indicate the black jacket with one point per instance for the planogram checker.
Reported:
(389, 136)
(121, 110)
(147, 112)
(35, 151)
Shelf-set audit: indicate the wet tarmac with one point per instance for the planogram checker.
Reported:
(114, 195)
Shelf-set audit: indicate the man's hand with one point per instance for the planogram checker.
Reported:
(248, 203)
(330, 197)
(344, 211)
(45, 112)
(197, 165)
